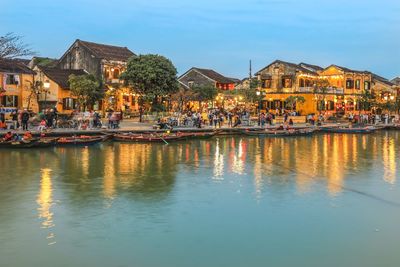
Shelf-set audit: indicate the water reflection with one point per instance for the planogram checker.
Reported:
(148, 172)
(45, 201)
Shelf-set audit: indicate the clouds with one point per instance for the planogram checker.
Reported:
(221, 34)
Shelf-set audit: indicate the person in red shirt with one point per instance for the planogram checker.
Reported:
(8, 137)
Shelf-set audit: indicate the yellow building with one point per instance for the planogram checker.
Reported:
(334, 89)
(55, 90)
(16, 81)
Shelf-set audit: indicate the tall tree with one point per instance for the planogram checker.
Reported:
(12, 46)
(151, 76)
(292, 100)
(87, 90)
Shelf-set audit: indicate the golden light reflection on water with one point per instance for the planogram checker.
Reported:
(218, 162)
(45, 201)
(389, 161)
(327, 160)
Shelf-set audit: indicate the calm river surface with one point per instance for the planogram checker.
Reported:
(326, 200)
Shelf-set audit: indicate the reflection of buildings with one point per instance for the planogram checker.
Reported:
(45, 201)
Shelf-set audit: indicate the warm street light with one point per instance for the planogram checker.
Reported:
(258, 93)
(392, 97)
(46, 84)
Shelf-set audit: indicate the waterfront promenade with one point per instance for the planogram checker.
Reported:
(134, 126)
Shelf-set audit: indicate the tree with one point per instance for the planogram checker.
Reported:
(182, 96)
(12, 46)
(87, 90)
(205, 92)
(321, 87)
(36, 88)
(151, 76)
(367, 100)
(292, 100)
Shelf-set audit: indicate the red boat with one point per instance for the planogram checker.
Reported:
(151, 137)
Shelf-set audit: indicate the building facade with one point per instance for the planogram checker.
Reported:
(56, 92)
(106, 63)
(16, 82)
(333, 89)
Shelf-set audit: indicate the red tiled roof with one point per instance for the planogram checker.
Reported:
(61, 76)
(14, 66)
(213, 75)
(109, 52)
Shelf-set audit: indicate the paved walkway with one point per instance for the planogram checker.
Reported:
(134, 126)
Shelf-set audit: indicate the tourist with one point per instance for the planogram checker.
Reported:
(42, 126)
(215, 120)
(27, 136)
(14, 118)
(25, 119)
(290, 122)
(230, 117)
(8, 137)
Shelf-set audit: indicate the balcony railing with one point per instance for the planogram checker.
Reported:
(306, 89)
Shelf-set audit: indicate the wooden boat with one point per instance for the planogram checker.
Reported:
(198, 135)
(18, 144)
(82, 140)
(280, 132)
(33, 143)
(349, 130)
(45, 142)
(150, 137)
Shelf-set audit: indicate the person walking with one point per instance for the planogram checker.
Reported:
(25, 119)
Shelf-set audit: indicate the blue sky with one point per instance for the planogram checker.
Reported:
(219, 34)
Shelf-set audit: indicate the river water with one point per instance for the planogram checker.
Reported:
(325, 200)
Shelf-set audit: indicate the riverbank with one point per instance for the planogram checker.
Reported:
(135, 127)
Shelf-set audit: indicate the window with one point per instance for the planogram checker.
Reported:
(301, 83)
(10, 101)
(367, 85)
(349, 84)
(106, 74)
(287, 82)
(358, 84)
(116, 74)
(69, 103)
(12, 79)
(191, 83)
(267, 83)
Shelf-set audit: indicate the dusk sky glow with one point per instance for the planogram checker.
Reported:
(219, 34)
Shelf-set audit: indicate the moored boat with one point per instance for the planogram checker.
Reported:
(280, 132)
(350, 130)
(150, 137)
(197, 135)
(82, 140)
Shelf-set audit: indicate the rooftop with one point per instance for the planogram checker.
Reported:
(14, 66)
(60, 76)
(108, 52)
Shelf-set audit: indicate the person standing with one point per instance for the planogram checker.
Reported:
(25, 119)
(14, 118)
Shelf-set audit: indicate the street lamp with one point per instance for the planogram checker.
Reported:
(46, 86)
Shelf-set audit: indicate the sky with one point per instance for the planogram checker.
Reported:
(219, 34)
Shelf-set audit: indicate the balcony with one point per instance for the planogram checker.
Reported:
(113, 81)
(306, 89)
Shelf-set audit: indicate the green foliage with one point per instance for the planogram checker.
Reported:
(321, 85)
(151, 75)
(292, 100)
(87, 90)
(204, 92)
(367, 100)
